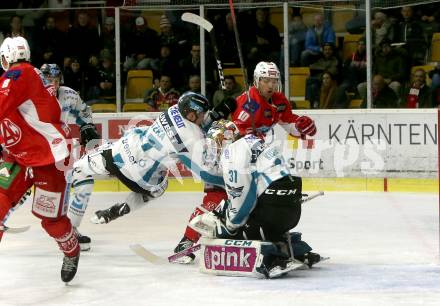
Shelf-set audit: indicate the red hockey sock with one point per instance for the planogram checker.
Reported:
(62, 231)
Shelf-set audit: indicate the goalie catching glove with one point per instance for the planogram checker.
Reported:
(88, 132)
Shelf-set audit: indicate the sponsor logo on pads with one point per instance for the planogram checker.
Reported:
(229, 258)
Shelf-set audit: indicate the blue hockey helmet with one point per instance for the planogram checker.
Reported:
(52, 71)
(193, 102)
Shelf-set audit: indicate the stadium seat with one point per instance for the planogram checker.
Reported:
(350, 44)
(297, 81)
(355, 103)
(138, 81)
(302, 104)
(276, 18)
(435, 47)
(237, 73)
(136, 107)
(104, 108)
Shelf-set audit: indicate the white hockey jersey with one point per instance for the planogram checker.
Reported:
(74, 110)
(249, 166)
(142, 152)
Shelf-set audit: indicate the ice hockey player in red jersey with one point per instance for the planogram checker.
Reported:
(36, 139)
(267, 106)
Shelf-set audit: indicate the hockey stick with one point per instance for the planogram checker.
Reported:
(241, 59)
(157, 260)
(205, 24)
(320, 193)
(14, 230)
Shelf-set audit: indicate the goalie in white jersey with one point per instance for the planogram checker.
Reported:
(264, 200)
(140, 158)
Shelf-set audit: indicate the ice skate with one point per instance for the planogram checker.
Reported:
(69, 268)
(184, 244)
(110, 214)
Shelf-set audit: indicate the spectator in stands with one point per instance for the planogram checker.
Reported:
(177, 42)
(52, 39)
(60, 4)
(266, 44)
(383, 96)
(142, 46)
(191, 64)
(411, 33)
(16, 28)
(104, 88)
(418, 93)
(108, 35)
(162, 97)
(82, 34)
(327, 94)
(297, 36)
(328, 62)
(356, 25)
(391, 65)
(168, 65)
(233, 89)
(382, 29)
(354, 73)
(316, 36)
(226, 39)
(74, 76)
(429, 15)
(195, 84)
(435, 84)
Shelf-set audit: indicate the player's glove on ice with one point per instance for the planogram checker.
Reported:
(305, 125)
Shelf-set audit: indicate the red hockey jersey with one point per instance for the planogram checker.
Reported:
(265, 114)
(30, 118)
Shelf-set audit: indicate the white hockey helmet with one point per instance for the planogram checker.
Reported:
(267, 70)
(14, 50)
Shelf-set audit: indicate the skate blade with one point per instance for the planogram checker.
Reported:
(95, 220)
(278, 271)
(184, 260)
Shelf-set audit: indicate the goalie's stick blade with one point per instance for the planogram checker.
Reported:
(147, 255)
(196, 19)
(14, 230)
(311, 197)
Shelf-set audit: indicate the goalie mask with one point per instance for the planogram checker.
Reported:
(52, 73)
(220, 134)
(267, 70)
(14, 50)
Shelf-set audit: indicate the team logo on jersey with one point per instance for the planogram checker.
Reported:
(281, 108)
(11, 133)
(13, 74)
(267, 113)
(251, 106)
(234, 192)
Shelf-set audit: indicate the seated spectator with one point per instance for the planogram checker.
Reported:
(356, 25)
(74, 76)
(418, 93)
(297, 36)
(162, 97)
(391, 65)
(168, 65)
(266, 44)
(177, 41)
(382, 28)
(233, 89)
(190, 65)
(354, 73)
(226, 39)
(411, 33)
(49, 38)
(108, 35)
(194, 84)
(316, 36)
(142, 46)
(104, 88)
(435, 85)
(328, 62)
(83, 33)
(328, 91)
(383, 96)
(430, 19)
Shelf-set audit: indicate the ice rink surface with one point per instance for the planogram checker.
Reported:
(383, 249)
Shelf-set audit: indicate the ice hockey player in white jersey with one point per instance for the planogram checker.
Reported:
(139, 159)
(264, 200)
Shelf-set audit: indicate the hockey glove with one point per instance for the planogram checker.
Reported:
(223, 109)
(305, 125)
(88, 132)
